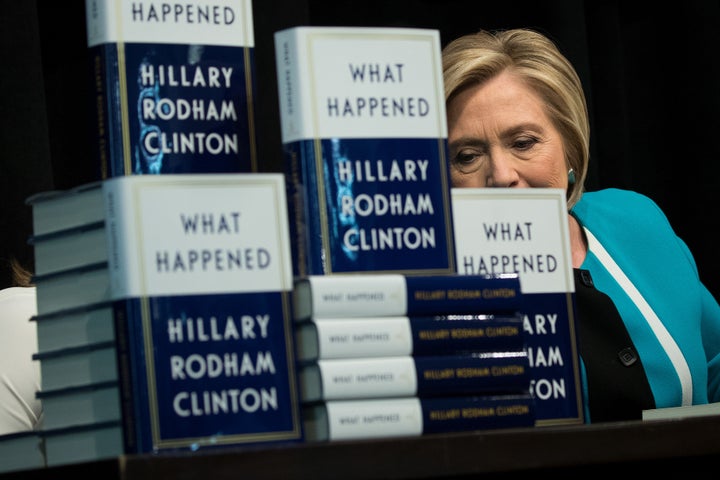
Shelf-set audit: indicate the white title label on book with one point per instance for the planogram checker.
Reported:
(522, 231)
(362, 83)
(195, 234)
(203, 22)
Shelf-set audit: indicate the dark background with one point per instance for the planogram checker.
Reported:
(651, 73)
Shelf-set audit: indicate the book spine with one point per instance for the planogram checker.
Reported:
(416, 416)
(399, 295)
(369, 98)
(326, 338)
(290, 65)
(436, 375)
(128, 382)
(174, 90)
(122, 246)
(107, 127)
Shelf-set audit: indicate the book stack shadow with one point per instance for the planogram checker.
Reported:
(389, 355)
(75, 327)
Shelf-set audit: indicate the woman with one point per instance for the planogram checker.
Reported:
(649, 330)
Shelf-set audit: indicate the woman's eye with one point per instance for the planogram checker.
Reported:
(524, 143)
(467, 157)
(467, 161)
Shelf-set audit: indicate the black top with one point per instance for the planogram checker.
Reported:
(618, 388)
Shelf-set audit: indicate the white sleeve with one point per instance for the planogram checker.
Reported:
(20, 410)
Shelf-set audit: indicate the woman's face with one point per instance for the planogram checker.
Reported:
(500, 136)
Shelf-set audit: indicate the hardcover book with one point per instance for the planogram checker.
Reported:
(201, 279)
(525, 231)
(80, 405)
(394, 294)
(173, 86)
(364, 132)
(21, 451)
(75, 327)
(76, 366)
(75, 288)
(422, 376)
(83, 443)
(415, 416)
(325, 338)
(70, 248)
(66, 209)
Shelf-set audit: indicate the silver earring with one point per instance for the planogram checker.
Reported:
(571, 177)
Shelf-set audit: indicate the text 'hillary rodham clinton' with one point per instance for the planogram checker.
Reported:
(232, 363)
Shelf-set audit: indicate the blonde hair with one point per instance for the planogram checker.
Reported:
(475, 58)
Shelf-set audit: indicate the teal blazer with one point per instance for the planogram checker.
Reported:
(676, 327)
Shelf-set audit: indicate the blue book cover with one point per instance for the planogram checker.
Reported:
(365, 139)
(173, 88)
(201, 279)
(206, 370)
(549, 319)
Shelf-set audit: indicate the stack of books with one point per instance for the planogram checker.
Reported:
(364, 133)
(75, 323)
(405, 355)
(167, 266)
(182, 339)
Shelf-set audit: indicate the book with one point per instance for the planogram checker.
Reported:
(83, 443)
(21, 451)
(422, 376)
(664, 413)
(70, 248)
(80, 405)
(525, 231)
(364, 134)
(392, 294)
(74, 288)
(201, 282)
(415, 416)
(57, 210)
(326, 338)
(75, 366)
(75, 327)
(172, 86)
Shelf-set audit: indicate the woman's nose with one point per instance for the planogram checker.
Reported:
(502, 172)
